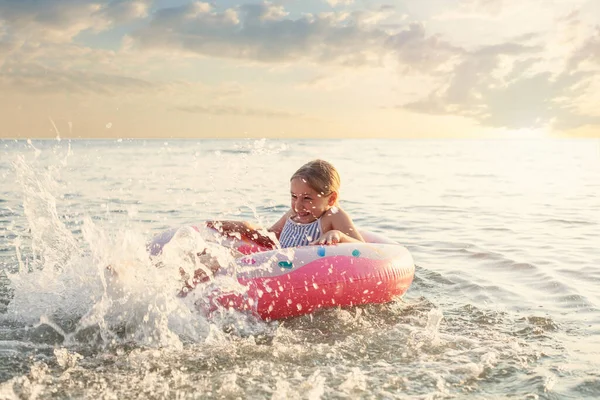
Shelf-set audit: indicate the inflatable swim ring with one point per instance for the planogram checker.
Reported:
(290, 282)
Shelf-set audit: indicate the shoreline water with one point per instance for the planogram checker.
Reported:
(504, 301)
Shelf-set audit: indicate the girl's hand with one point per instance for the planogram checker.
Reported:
(329, 237)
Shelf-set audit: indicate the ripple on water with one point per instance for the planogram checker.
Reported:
(589, 388)
(429, 279)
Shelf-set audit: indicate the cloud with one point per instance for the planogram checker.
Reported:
(324, 83)
(472, 9)
(226, 110)
(6, 48)
(491, 7)
(528, 82)
(36, 79)
(485, 9)
(120, 11)
(500, 86)
(539, 100)
(264, 33)
(60, 56)
(589, 51)
(335, 3)
(62, 20)
(571, 26)
(260, 32)
(414, 49)
(59, 68)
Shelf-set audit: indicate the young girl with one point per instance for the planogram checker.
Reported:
(315, 216)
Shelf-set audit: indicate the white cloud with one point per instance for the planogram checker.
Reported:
(6, 48)
(510, 14)
(235, 110)
(486, 9)
(62, 20)
(59, 68)
(417, 51)
(335, 3)
(264, 33)
(258, 32)
(58, 20)
(589, 51)
(36, 79)
(491, 7)
(324, 83)
(520, 96)
(119, 11)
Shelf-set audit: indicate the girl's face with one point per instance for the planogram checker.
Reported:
(307, 203)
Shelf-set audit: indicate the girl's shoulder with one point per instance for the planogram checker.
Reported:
(333, 217)
(334, 212)
(338, 219)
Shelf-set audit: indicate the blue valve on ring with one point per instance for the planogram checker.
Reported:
(321, 251)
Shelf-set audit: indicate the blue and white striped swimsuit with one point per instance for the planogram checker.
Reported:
(294, 234)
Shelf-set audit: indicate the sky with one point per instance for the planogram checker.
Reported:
(299, 68)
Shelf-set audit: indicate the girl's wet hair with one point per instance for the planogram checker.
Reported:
(320, 175)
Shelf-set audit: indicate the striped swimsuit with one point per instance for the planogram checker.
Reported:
(294, 234)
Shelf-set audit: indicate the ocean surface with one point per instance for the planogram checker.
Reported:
(505, 303)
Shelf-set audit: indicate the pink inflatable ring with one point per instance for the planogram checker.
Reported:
(290, 282)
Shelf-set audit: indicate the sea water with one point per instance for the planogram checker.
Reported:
(505, 302)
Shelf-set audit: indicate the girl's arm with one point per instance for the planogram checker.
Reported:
(243, 228)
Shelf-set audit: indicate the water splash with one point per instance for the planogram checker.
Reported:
(356, 381)
(66, 359)
(69, 289)
(429, 337)
(52, 243)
